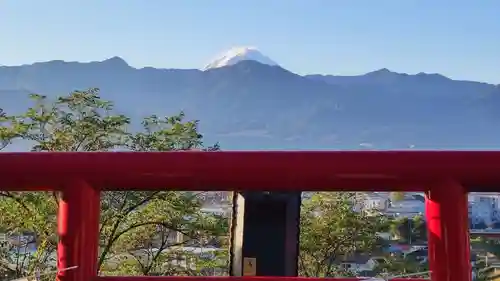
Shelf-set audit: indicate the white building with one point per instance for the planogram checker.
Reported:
(380, 202)
(484, 208)
(359, 264)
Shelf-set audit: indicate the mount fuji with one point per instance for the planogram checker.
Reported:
(238, 54)
(244, 100)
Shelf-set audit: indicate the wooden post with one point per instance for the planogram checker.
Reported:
(448, 232)
(78, 228)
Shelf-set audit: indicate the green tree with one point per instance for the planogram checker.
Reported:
(132, 223)
(400, 228)
(29, 220)
(9, 129)
(419, 229)
(409, 230)
(149, 240)
(400, 266)
(81, 121)
(4, 136)
(331, 230)
(483, 269)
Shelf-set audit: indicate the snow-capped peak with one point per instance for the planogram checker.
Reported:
(238, 54)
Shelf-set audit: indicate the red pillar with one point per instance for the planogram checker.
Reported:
(78, 228)
(437, 253)
(447, 221)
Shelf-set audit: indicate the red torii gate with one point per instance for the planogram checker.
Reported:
(444, 176)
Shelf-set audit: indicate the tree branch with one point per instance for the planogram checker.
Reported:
(17, 199)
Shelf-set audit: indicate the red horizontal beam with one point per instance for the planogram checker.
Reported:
(246, 278)
(361, 170)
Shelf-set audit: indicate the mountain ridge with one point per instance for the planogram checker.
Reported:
(123, 62)
(250, 105)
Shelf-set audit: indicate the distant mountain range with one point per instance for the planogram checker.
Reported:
(250, 105)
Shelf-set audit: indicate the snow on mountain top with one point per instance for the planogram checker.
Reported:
(238, 54)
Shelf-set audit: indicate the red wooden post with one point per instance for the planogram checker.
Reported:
(437, 253)
(448, 239)
(456, 231)
(78, 228)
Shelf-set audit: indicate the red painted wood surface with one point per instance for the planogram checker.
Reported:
(363, 170)
(293, 171)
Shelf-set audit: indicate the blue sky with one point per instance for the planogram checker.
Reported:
(460, 39)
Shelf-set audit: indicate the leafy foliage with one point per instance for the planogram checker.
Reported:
(409, 230)
(139, 230)
(398, 266)
(147, 232)
(333, 233)
(330, 231)
(9, 129)
(483, 270)
(81, 121)
(29, 220)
